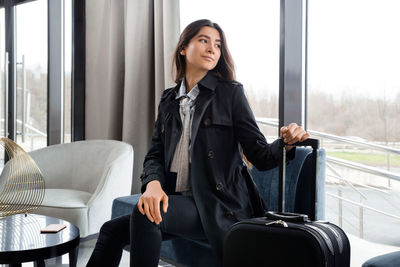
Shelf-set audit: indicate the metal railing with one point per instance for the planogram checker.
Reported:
(379, 172)
(30, 132)
(349, 164)
(274, 122)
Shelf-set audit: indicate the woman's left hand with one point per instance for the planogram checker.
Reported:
(293, 133)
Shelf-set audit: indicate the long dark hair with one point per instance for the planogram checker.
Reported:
(224, 69)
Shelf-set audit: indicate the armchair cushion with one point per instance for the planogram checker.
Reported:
(124, 205)
(65, 198)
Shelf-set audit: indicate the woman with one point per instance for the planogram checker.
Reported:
(195, 183)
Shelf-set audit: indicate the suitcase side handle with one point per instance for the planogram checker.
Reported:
(312, 142)
(286, 216)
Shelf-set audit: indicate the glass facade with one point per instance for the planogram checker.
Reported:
(353, 107)
(353, 94)
(26, 77)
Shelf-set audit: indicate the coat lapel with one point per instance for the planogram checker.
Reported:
(202, 102)
(207, 92)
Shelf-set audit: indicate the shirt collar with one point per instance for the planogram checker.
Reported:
(192, 94)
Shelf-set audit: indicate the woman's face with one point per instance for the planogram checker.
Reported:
(203, 51)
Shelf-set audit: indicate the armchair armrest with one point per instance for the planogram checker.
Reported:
(117, 181)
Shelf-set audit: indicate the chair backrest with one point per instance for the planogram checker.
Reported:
(297, 186)
(79, 165)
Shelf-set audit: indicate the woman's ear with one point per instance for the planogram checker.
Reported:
(183, 52)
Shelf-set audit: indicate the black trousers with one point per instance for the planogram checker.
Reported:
(181, 219)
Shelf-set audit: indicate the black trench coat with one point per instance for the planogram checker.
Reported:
(223, 125)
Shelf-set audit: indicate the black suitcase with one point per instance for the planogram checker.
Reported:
(285, 239)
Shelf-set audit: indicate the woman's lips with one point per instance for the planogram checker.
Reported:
(208, 58)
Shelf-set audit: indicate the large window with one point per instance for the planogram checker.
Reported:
(353, 97)
(36, 64)
(252, 32)
(354, 94)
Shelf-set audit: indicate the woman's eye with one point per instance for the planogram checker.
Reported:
(218, 45)
(203, 40)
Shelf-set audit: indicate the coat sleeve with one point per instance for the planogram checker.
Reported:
(153, 165)
(255, 147)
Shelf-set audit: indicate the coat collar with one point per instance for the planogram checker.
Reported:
(209, 82)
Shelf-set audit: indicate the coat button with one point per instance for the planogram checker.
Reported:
(207, 122)
(219, 186)
(210, 154)
(230, 214)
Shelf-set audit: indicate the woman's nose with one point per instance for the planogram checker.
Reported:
(211, 49)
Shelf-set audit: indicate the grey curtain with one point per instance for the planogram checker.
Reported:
(129, 48)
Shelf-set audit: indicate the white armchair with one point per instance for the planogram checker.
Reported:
(82, 179)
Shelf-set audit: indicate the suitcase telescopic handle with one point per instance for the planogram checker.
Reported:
(286, 216)
(310, 142)
(314, 143)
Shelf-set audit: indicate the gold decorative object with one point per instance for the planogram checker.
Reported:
(21, 182)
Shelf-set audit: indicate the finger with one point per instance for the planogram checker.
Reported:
(293, 126)
(289, 131)
(283, 131)
(288, 135)
(151, 208)
(298, 132)
(305, 137)
(147, 211)
(296, 136)
(156, 211)
(140, 206)
(165, 203)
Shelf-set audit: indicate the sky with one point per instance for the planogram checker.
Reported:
(353, 45)
(32, 38)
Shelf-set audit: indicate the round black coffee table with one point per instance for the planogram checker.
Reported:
(21, 240)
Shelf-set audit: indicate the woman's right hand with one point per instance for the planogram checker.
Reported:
(149, 202)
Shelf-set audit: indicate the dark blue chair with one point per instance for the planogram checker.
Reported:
(385, 260)
(298, 187)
